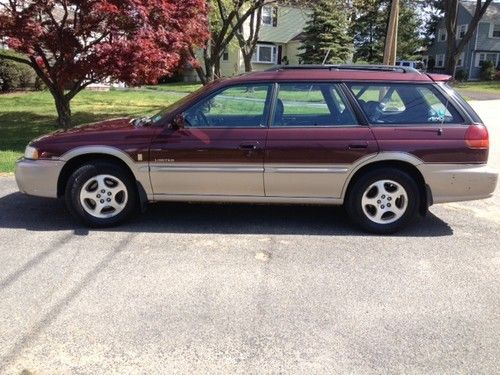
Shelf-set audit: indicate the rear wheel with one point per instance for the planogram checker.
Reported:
(383, 200)
(101, 194)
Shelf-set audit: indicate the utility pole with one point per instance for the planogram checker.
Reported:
(391, 39)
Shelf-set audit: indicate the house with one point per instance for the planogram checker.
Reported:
(483, 46)
(281, 27)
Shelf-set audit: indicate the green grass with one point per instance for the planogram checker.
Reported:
(24, 116)
(180, 87)
(484, 86)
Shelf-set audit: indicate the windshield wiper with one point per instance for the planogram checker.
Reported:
(140, 122)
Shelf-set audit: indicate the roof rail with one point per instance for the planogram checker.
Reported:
(379, 68)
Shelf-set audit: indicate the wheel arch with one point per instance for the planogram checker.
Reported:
(78, 157)
(405, 162)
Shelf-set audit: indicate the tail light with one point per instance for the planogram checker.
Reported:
(476, 137)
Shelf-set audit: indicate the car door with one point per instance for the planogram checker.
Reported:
(413, 118)
(313, 142)
(220, 149)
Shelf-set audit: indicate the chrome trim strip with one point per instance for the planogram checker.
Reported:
(207, 169)
(306, 170)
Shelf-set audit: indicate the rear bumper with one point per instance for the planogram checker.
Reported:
(38, 177)
(454, 182)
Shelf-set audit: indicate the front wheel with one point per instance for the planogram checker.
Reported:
(101, 194)
(383, 201)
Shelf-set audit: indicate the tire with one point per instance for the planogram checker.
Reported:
(101, 194)
(383, 200)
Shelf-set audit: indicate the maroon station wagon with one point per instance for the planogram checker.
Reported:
(385, 142)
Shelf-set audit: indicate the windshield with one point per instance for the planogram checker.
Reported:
(172, 107)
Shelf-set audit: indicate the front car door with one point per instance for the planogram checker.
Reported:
(220, 151)
(313, 142)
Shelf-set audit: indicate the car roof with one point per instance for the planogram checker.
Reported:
(346, 73)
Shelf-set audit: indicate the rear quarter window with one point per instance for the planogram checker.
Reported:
(401, 103)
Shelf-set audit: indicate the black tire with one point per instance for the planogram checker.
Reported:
(82, 175)
(354, 206)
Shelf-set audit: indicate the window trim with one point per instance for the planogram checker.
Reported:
(267, 105)
(477, 62)
(273, 13)
(274, 54)
(461, 57)
(341, 90)
(492, 30)
(437, 59)
(435, 87)
(442, 31)
(459, 27)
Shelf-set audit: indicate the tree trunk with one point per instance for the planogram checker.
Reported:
(247, 59)
(451, 64)
(63, 111)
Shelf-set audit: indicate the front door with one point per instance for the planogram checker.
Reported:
(313, 142)
(220, 151)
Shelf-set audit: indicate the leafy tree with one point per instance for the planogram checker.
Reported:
(370, 28)
(73, 43)
(327, 29)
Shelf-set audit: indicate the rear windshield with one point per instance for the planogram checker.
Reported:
(466, 106)
(402, 103)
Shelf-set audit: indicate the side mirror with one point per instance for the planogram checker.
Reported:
(178, 122)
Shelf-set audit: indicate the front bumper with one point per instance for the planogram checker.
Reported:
(455, 182)
(38, 177)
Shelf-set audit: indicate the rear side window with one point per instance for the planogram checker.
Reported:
(306, 104)
(404, 104)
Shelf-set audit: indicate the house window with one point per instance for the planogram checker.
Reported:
(460, 60)
(482, 57)
(442, 35)
(265, 53)
(440, 60)
(270, 16)
(496, 30)
(461, 30)
(225, 55)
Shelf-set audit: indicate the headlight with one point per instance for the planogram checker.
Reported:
(31, 153)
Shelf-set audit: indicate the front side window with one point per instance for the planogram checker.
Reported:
(241, 106)
(306, 105)
(404, 104)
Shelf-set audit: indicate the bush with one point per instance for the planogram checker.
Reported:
(15, 75)
(461, 75)
(487, 71)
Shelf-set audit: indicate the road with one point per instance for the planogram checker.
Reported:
(250, 289)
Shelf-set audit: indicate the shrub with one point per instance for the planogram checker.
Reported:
(487, 71)
(461, 75)
(15, 75)
(9, 76)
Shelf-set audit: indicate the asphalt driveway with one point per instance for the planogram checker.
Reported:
(250, 289)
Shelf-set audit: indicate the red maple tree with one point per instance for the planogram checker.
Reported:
(73, 43)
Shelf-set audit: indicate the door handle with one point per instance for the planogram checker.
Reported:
(358, 146)
(248, 146)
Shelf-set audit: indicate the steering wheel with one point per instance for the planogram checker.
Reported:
(198, 116)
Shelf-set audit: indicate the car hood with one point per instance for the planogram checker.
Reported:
(113, 125)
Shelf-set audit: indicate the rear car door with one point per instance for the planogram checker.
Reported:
(313, 141)
(220, 151)
(415, 118)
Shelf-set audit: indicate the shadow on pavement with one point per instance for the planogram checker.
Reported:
(23, 212)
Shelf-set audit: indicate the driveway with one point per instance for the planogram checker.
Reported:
(249, 289)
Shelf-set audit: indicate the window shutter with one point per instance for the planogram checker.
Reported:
(275, 16)
(490, 31)
(280, 54)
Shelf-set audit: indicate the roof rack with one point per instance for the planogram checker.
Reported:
(378, 68)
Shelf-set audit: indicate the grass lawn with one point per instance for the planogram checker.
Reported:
(180, 87)
(24, 116)
(483, 86)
